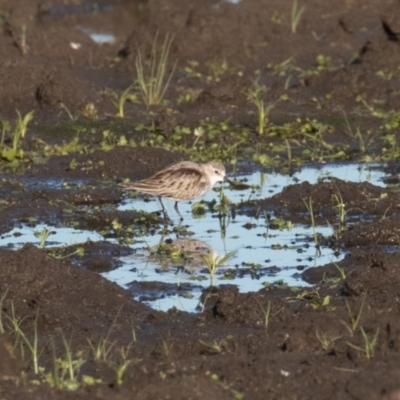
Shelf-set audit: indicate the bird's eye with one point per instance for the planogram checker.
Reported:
(216, 171)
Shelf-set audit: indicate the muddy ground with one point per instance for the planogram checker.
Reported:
(339, 340)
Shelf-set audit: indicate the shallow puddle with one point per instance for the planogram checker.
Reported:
(47, 236)
(259, 255)
(98, 37)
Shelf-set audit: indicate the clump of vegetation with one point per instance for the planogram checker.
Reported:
(369, 344)
(213, 261)
(66, 372)
(256, 95)
(17, 135)
(355, 318)
(153, 79)
(327, 342)
(119, 100)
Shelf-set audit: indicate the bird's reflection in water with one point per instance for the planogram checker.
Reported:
(186, 253)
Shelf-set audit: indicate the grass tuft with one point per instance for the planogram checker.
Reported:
(153, 81)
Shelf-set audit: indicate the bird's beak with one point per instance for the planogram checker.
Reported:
(229, 181)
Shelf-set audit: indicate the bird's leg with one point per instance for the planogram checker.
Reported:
(164, 210)
(177, 210)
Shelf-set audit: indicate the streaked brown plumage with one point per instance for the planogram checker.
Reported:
(185, 180)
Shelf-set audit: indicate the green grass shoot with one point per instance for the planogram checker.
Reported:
(153, 80)
(296, 16)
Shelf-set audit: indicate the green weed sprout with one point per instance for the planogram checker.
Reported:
(89, 111)
(341, 207)
(213, 261)
(5, 127)
(120, 371)
(312, 298)
(167, 348)
(296, 16)
(21, 126)
(23, 44)
(327, 343)
(224, 203)
(267, 312)
(355, 319)
(120, 100)
(364, 141)
(121, 366)
(342, 273)
(256, 96)
(369, 344)
(309, 206)
(72, 366)
(214, 346)
(32, 346)
(198, 132)
(72, 117)
(65, 371)
(133, 331)
(154, 82)
(43, 236)
(102, 349)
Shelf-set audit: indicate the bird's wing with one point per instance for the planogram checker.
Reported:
(182, 183)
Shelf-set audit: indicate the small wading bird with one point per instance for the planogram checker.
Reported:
(185, 180)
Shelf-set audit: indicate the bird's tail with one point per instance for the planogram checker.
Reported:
(127, 186)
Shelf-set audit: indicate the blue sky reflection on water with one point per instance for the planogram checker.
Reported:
(261, 254)
(277, 254)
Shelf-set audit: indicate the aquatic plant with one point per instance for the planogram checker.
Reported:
(341, 207)
(309, 206)
(43, 235)
(213, 261)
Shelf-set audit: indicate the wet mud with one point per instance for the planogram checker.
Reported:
(338, 338)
